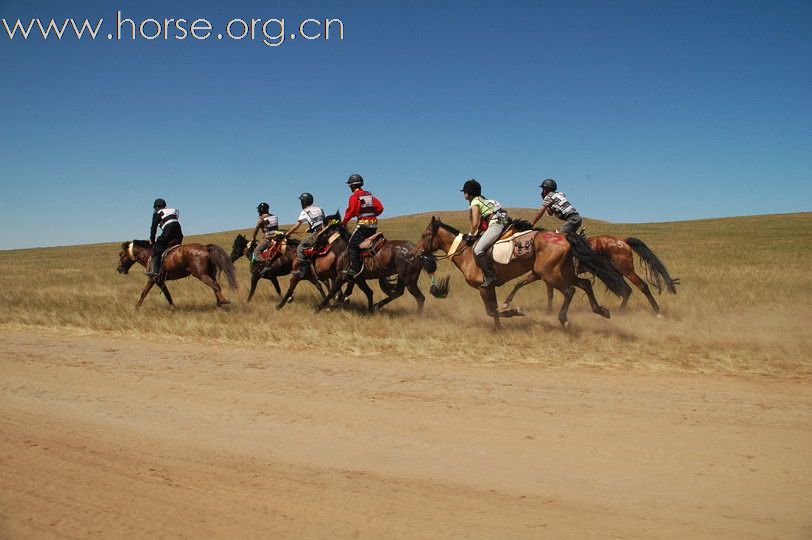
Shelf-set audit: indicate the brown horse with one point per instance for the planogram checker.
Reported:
(280, 264)
(552, 261)
(620, 252)
(202, 262)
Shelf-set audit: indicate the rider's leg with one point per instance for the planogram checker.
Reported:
(572, 224)
(262, 246)
(304, 263)
(358, 235)
(484, 261)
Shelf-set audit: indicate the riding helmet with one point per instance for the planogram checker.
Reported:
(355, 180)
(472, 188)
(159, 203)
(263, 208)
(306, 199)
(549, 184)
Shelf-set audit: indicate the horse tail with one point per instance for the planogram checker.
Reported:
(222, 263)
(598, 265)
(656, 272)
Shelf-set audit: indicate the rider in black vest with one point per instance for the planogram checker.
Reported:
(171, 233)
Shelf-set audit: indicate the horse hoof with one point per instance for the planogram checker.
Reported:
(566, 325)
(605, 313)
(504, 306)
(659, 316)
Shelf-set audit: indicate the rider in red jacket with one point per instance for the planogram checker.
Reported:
(366, 207)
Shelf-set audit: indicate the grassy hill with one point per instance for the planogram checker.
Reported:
(744, 306)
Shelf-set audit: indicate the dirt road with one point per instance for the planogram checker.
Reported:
(111, 437)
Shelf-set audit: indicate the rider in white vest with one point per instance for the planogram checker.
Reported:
(311, 217)
(171, 233)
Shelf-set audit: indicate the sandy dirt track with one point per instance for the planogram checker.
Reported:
(113, 437)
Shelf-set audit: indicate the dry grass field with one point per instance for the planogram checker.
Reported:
(744, 306)
(245, 422)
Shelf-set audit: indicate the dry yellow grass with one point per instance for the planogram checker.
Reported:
(744, 306)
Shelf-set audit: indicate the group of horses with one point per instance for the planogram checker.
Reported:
(557, 259)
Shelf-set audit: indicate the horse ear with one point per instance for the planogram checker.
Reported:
(433, 220)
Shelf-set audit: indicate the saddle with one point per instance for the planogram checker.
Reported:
(275, 247)
(518, 246)
(370, 246)
(173, 245)
(319, 251)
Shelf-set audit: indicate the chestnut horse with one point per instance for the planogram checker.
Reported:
(279, 264)
(552, 261)
(620, 252)
(202, 262)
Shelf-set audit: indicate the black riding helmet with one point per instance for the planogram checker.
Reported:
(263, 208)
(355, 180)
(549, 184)
(472, 188)
(306, 199)
(159, 203)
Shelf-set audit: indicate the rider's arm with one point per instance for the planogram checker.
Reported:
(294, 229)
(353, 205)
(539, 215)
(156, 219)
(475, 218)
(256, 229)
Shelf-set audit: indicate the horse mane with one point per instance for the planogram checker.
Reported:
(293, 242)
(520, 224)
(448, 227)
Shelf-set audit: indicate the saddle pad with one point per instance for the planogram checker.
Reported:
(333, 237)
(503, 250)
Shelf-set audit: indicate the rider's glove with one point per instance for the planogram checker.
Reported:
(469, 239)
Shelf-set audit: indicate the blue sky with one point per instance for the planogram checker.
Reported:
(642, 111)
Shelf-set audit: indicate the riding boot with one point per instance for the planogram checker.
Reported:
(484, 262)
(302, 270)
(155, 267)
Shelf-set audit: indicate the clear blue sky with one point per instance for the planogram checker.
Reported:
(643, 111)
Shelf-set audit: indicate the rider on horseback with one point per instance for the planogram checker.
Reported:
(313, 217)
(556, 203)
(366, 207)
(269, 224)
(171, 233)
(489, 219)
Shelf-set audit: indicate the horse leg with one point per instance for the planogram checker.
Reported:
(550, 291)
(586, 285)
(144, 293)
(218, 294)
(399, 288)
(643, 286)
(316, 283)
(276, 285)
(489, 299)
(527, 280)
(362, 284)
(337, 283)
(254, 281)
(294, 280)
(165, 290)
(568, 293)
(418, 295)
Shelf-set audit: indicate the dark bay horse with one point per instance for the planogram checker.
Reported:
(620, 252)
(202, 262)
(394, 258)
(280, 264)
(552, 262)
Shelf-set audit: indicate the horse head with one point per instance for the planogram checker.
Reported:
(238, 248)
(128, 255)
(428, 242)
